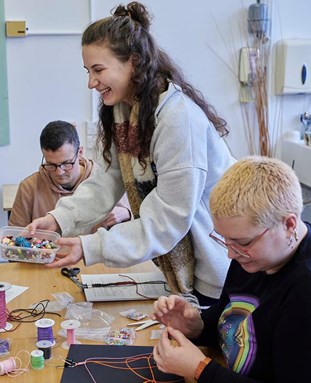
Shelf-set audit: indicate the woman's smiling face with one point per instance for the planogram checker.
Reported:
(108, 75)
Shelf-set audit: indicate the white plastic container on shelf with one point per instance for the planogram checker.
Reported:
(298, 155)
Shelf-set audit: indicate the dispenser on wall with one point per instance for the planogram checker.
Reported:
(258, 18)
(293, 66)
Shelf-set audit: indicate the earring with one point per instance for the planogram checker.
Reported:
(290, 242)
(291, 239)
(296, 235)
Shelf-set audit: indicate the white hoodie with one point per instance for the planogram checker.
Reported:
(190, 157)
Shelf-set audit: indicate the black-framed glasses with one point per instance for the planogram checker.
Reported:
(237, 249)
(66, 165)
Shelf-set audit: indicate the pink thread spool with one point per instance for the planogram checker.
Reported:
(4, 325)
(70, 326)
(7, 365)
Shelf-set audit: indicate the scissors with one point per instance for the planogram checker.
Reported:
(144, 324)
(72, 275)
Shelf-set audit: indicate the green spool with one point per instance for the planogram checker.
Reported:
(37, 360)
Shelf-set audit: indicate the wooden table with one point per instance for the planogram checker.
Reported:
(43, 282)
(8, 196)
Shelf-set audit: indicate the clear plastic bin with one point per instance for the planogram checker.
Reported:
(33, 254)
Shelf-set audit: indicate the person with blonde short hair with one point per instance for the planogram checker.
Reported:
(261, 320)
(253, 193)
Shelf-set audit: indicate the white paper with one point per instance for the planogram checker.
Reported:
(124, 292)
(13, 292)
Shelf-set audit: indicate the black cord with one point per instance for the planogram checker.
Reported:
(32, 314)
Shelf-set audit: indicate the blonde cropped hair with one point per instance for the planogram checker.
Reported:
(263, 189)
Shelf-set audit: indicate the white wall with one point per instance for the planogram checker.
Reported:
(47, 81)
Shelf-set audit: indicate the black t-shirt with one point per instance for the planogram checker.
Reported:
(262, 324)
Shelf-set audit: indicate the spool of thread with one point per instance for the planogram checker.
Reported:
(4, 325)
(7, 365)
(44, 330)
(46, 347)
(70, 326)
(37, 360)
(4, 346)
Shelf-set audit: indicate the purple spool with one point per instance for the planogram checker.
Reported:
(45, 331)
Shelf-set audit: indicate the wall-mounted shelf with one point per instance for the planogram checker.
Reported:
(298, 155)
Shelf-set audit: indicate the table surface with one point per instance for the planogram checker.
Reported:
(8, 195)
(43, 282)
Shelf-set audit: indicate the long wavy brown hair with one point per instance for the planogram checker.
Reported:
(126, 33)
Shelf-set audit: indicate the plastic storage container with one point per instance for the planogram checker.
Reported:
(39, 248)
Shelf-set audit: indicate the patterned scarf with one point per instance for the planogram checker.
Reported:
(177, 265)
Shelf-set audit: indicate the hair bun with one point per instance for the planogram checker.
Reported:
(136, 11)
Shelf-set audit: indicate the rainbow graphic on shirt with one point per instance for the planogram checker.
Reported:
(236, 332)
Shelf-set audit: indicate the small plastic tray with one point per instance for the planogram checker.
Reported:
(28, 254)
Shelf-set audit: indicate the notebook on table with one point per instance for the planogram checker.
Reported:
(127, 286)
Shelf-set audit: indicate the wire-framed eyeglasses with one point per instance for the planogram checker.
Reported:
(237, 249)
(66, 165)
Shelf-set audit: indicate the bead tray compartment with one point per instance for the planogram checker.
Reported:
(28, 254)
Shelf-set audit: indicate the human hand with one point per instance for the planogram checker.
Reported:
(176, 312)
(174, 359)
(45, 223)
(72, 252)
(117, 215)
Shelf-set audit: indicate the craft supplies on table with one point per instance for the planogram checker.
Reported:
(127, 286)
(143, 324)
(4, 325)
(17, 245)
(45, 330)
(70, 325)
(87, 363)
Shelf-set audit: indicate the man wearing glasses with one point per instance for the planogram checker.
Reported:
(62, 169)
